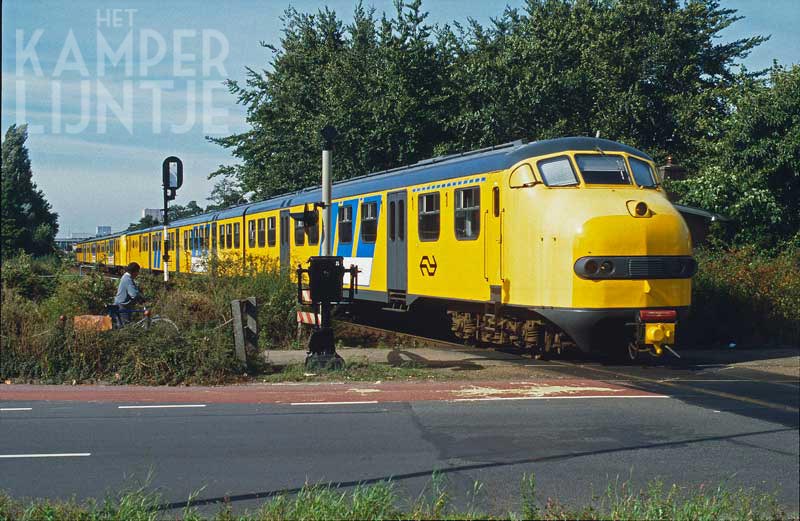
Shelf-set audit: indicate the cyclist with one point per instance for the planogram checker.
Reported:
(128, 292)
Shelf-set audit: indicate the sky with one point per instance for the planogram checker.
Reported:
(110, 88)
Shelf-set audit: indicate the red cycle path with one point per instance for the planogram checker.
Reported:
(324, 392)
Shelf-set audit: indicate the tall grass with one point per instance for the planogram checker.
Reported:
(383, 501)
(36, 345)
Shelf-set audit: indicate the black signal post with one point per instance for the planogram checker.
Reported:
(325, 272)
(171, 180)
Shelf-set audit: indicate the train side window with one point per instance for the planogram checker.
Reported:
(222, 237)
(369, 221)
(299, 233)
(251, 234)
(235, 235)
(468, 213)
(214, 237)
(557, 171)
(271, 231)
(186, 239)
(401, 220)
(496, 201)
(345, 224)
(429, 217)
(392, 221)
(313, 231)
(262, 233)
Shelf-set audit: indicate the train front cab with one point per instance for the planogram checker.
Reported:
(598, 249)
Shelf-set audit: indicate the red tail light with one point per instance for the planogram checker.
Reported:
(658, 315)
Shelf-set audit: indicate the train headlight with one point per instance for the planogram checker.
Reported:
(590, 267)
(641, 209)
(606, 267)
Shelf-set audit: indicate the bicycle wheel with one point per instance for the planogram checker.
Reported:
(163, 324)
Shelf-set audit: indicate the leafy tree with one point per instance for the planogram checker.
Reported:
(145, 222)
(226, 192)
(399, 90)
(178, 211)
(752, 170)
(377, 81)
(27, 220)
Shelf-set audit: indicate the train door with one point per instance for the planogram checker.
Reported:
(285, 232)
(397, 246)
(175, 240)
(149, 239)
(157, 250)
(493, 245)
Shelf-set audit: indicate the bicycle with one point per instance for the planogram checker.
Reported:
(147, 322)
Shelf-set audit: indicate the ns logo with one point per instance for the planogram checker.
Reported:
(427, 266)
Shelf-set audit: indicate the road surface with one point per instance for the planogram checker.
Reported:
(591, 426)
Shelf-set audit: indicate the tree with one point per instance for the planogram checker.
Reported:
(226, 192)
(27, 220)
(649, 73)
(147, 221)
(752, 168)
(377, 81)
(177, 211)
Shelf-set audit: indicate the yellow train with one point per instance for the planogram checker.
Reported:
(541, 244)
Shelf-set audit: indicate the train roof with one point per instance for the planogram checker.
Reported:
(491, 159)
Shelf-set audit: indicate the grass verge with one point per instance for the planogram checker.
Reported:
(355, 370)
(382, 501)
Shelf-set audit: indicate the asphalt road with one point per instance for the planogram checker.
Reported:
(737, 426)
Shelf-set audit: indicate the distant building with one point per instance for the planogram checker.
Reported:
(155, 213)
(103, 230)
(68, 243)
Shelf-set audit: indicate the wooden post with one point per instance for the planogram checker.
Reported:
(245, 326)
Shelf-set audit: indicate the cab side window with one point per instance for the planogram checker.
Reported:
(429, 217)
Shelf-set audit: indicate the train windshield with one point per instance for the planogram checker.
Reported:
(603, 169)
(642, 173)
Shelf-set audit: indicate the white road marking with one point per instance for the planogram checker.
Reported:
(499, 398)
(10, 409)
(332, 403)
(160, 406)
(61, 455)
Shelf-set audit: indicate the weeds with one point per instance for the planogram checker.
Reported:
(37, 346)
(382, 501)
(356, 370)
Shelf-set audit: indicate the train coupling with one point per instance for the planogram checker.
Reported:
(655, 332)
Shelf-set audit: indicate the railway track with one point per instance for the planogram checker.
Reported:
(367, 333)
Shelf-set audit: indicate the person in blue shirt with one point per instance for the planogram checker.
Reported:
(128, 292)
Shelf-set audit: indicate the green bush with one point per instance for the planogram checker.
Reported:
(33, 278)
(743, 296)
(37, 346)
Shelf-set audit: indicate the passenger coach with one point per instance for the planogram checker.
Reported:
(542, 244)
